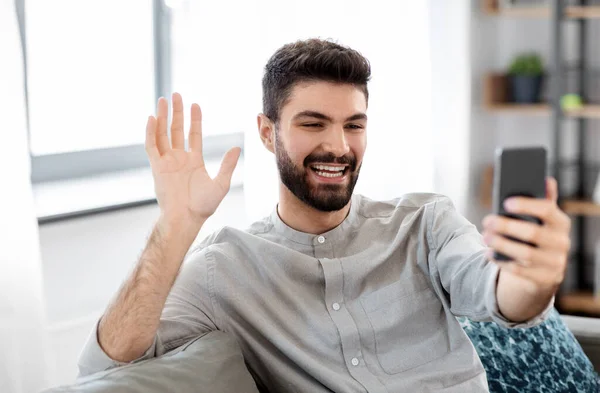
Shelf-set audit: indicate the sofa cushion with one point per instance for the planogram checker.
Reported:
(587, 332)
(209, 363)
(544, 358)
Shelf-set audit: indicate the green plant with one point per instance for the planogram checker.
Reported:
(529, 64)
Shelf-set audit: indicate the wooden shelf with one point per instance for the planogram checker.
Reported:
(581, 208)
(583, 12)
(518, 12)
(579, 302)
(496, 95)
(519, 109)
(585, 112)
(491, 8)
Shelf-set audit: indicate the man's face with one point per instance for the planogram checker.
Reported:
(320, 143)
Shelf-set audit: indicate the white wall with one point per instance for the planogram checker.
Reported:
(85, 261)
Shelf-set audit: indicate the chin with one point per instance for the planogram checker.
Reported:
(329, 201)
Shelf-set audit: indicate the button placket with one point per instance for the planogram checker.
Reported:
(346, 326)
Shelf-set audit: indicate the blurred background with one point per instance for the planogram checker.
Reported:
(451, 83)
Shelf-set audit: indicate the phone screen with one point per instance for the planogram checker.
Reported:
(518, 172)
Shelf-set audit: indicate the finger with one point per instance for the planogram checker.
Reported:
(551, 189)
(543, 236)
(177, 137)
(544, 209)
(529, 255)
(150, 144)
(162, 138)
(195, 138)
(229, 163)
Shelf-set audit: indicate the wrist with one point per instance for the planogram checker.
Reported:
(183, 228)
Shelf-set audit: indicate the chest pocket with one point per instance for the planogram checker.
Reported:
(408, 324)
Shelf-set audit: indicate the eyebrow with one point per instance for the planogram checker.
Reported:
(319, 115)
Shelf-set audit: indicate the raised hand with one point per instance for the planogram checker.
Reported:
(182, 185)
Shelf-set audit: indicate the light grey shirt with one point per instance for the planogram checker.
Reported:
(369, 306)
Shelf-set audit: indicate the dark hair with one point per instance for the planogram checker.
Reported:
(307, 61)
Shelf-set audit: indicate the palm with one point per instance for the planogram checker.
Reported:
(182, 185)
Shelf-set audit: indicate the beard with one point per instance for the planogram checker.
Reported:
(322, 197)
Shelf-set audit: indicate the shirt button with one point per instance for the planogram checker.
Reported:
(336, 306)
(354, 361)
(321, 239)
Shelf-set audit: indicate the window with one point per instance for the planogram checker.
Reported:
(90, 73)
(95, 70)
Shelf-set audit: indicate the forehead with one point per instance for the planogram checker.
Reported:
(336, 100)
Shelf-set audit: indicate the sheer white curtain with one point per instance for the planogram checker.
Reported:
(395, 39)
(451, 97)
(22, 352)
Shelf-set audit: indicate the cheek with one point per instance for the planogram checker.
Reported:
(301, 147)
(358, 145)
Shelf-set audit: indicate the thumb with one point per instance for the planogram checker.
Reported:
(551, 189)
(228, 164)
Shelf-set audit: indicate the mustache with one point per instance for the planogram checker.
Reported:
(330, 158)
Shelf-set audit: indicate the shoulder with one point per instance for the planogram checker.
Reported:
(407, 203)
(227, 241)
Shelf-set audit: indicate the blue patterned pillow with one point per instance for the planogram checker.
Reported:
(544, 358)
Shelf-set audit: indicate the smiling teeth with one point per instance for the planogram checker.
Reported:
(327, 174)
(329, 168)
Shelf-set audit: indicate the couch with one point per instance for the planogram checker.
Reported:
(545, 358)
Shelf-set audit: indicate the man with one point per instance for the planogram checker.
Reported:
(332, 291)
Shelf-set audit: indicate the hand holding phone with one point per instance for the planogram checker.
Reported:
(518, 172)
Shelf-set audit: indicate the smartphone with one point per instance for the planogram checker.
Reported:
(518, 172)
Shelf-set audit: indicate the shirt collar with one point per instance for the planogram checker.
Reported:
(333, 235)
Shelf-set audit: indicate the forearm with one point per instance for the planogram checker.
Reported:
(129, 325)
(518, 299)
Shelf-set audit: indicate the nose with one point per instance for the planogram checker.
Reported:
(336, 142)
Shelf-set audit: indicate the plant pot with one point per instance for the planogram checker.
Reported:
(525, 89)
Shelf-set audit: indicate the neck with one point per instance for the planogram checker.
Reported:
(304, 218)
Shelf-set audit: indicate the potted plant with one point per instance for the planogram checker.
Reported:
(526, 73)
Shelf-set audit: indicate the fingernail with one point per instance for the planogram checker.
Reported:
(509, 204)
(487, 237)
(488, 220)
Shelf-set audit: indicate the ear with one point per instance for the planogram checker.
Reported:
(266, 130)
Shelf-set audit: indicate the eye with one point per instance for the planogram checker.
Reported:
(312, 125)
(355, 126)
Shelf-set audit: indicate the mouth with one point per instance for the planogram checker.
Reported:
(330, 173)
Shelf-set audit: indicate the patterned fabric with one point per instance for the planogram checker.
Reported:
(544, 358)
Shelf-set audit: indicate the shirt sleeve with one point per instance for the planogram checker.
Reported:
(458, 261)
(187, 313)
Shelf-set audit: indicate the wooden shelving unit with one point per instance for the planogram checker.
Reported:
(495, 97)
(581, 208)
(579, 303)
(491, 8)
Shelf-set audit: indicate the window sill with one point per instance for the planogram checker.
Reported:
(65, 199)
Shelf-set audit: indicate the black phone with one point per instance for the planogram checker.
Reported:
(518, 172)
